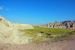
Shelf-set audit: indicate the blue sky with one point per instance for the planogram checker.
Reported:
(37, 11)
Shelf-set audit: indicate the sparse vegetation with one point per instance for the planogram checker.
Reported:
(40, 34)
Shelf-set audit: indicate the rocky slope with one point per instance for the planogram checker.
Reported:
(9, 32)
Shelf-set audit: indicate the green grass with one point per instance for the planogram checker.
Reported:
(52, 34)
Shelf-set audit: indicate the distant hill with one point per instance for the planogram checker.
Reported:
(63, 24)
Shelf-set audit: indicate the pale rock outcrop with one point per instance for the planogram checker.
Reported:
(23, 26)
(9, 32)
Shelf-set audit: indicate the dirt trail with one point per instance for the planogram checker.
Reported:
(62, 45)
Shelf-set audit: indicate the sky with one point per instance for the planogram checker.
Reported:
(37, 11)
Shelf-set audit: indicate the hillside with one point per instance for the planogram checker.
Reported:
(9, 32)
(25, 33)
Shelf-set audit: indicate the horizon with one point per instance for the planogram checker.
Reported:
(37, 24)
(37, 12)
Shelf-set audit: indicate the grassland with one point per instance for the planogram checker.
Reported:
(40, 34)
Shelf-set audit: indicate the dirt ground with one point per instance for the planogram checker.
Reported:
(61, 45)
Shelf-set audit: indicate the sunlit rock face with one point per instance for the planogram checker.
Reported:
(23, 26)
(5, 29)
(5, 22)
(9, 32)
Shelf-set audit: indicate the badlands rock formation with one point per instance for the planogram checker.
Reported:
(9, 33)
